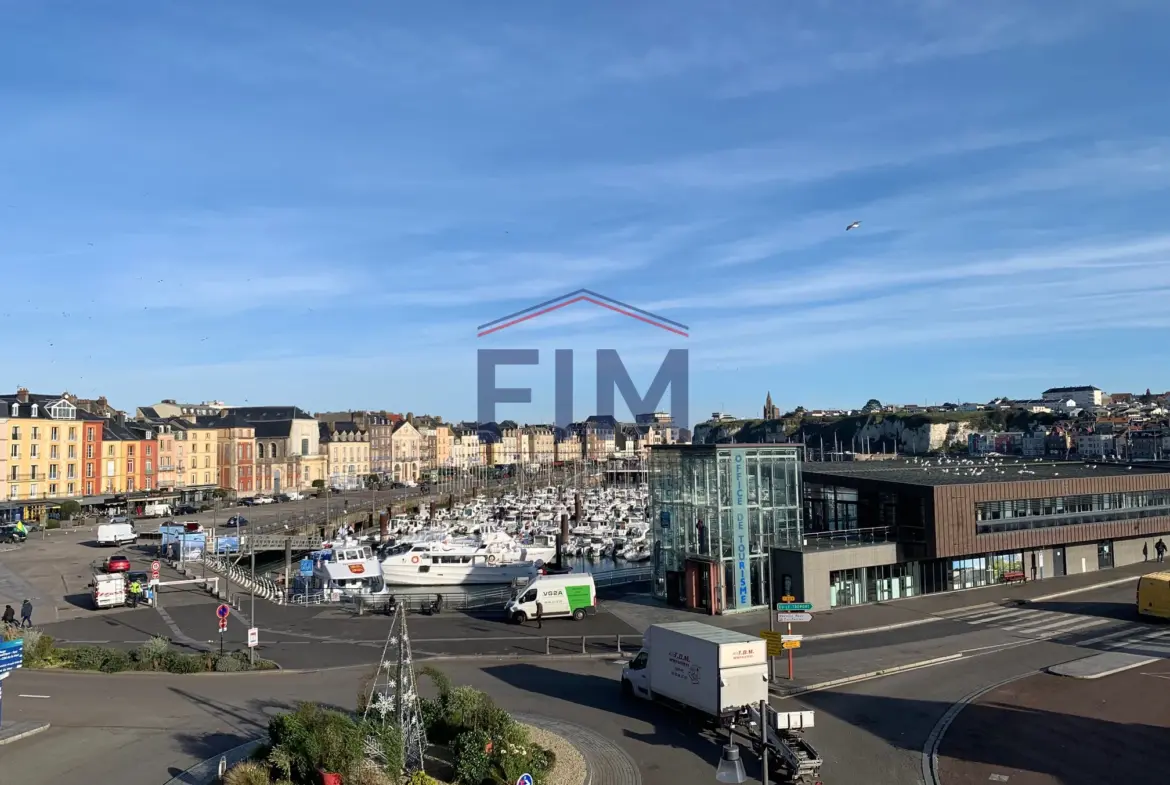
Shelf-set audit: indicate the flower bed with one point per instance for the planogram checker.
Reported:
(156, 654)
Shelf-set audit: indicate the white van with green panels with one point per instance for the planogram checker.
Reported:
(559, 596)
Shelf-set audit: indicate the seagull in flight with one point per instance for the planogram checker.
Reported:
(853, 225)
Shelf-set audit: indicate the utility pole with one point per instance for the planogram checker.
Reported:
(252, 612)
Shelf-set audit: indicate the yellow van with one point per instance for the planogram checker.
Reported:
(1153, 595)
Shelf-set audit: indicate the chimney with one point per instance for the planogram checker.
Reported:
(120, 418)
(22, 395)
(102, 402)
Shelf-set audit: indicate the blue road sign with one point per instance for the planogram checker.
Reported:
(11, 655)
(525, 779)
(223, 611)
(306, 566)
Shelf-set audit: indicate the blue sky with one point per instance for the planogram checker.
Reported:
(316, 203)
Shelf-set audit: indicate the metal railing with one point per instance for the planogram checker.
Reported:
(848, 538)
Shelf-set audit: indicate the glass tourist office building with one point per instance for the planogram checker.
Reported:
(716, 511)
(728, 521)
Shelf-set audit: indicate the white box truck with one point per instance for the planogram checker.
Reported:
(694, 665)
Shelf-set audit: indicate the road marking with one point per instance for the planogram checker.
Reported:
(998, 778)
(1118, 633)
(34, 696)
(998, 617)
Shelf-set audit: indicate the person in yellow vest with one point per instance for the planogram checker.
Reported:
(20, 530)
(135, 593)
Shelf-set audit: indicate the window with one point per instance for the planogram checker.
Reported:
(110, 451)
(71, 471)
(206, 462)
(88, 471)
(16, 410)
(72, 452)
(16, 433)
(54, 433)
(129, 484)
(148, 453)
(34, 410)
(12, 473)
(73, 433)
(15, 451)
(89, 489)
(207, 478)
(70, 489)
(148, 467)
(207, 448)
(32, 490)
(130, 450)
(52, 471)
(130, 466)
(36, 433)
(89, 437)
(34, 451)
(14, 490)
(89, 451)
(53, 454)
(1023, 514)
(110, 469)
(304, 446)
(52, 489)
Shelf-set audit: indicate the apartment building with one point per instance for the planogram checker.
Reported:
(405, 452)
(43, 447)
(347, 450)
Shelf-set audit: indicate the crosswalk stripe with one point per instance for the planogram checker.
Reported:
(1138, 639)
(1039, 620)
(1126, 630)
(970, 610)
(996, 618)
(1088, 624)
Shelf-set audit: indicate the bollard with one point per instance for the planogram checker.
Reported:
(583, 645)
(361, 604)
(619, 645)
(222, 767)
(546, 645)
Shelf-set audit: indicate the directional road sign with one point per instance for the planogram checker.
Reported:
(787, 598)
(11, 655)
(773, 639)
(791, 644)
(223, 611)
(787, 638)
(792, 618)
(253, 637)
(794, 606)
(524, 779)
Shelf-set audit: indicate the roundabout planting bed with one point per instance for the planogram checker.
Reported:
(470, 741)
(156, 654)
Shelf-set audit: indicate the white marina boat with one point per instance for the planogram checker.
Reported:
(346, 568)
(451, 564)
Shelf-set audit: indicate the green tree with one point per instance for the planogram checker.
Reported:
(68, 509)
(872, 405)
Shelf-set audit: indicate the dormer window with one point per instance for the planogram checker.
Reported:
(34, 410)
(16, 410)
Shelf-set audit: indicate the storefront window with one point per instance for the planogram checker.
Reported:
(847, 587)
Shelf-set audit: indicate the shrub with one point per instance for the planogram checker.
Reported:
(229, 664)
(422, 778)
(313, 739)
(38, 648)
(84, 658)
(435, 721)
(473, 763)
(52, 523)
(116, 661)
(369, 773)
(186, 663)
(68, 509)
(247, 773)
(384, 745)
(153, 654)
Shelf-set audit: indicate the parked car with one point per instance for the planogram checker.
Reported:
(236, 521)
(263, 500)
(117, 563)
(185, 509)
(283, 497)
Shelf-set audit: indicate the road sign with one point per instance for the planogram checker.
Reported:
(787, 598)
(773, 639)
(794, 606)
(223, 612)
(222, 626)
(306, 567)
(791, 644)
(11, 655)
(792, 618)
(787, 638)
(524, 779)
(253, 637)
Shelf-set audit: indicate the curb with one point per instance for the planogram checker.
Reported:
(824, 685)
(1054, 670)
(206, 771)
(1104, 585)
(24, 734)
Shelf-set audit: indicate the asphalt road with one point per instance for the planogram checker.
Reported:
(1049, 730)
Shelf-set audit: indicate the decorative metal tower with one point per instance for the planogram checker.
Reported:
(394, 695)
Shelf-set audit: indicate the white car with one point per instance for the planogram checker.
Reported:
(263, 500)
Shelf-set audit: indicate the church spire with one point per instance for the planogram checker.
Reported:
(768, 402)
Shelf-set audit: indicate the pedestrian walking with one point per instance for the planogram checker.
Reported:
(1160, 550)
(1145, 551)
(26, 610)
(540, 616)
(9, 617)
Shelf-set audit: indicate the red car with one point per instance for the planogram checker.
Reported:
(118, 564)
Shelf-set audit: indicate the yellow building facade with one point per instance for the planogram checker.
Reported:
(42, 448)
